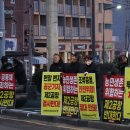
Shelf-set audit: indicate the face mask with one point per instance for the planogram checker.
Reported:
(88, 62)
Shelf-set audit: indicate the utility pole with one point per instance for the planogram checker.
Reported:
(2, 29)
(52, 29)
(93, 29)
(30, 40)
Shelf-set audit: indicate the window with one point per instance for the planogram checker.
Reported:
(89, 22)
(108, 26)
(13, 29)
(12, 1)
(105, 6)
(100, 27)
(88, 3)
(100, 7)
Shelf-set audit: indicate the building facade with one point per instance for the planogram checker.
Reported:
(104, 15)
(16, 25)
(74, 27)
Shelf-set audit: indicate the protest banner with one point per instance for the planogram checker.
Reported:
(7, 90)
(127, 94)
(113, 96)
(51, 97)
(87, 97)
(70, 104)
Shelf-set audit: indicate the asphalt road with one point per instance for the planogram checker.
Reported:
(10, 123)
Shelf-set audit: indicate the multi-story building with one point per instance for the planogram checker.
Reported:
(74, 26)
(16, 25)
(103, 14)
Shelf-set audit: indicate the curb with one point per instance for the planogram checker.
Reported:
(70, 121)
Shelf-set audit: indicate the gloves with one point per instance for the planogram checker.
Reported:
(85, 73)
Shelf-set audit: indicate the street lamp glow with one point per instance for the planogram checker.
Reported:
(118, 7)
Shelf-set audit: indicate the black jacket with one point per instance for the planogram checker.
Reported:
(6, 67)
(74, 68)
(20, 74)
(93, 68)
(118, 69)
(57, 67)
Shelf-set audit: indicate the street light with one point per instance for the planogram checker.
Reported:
(118, 7)
(93, 29)
(2, 29)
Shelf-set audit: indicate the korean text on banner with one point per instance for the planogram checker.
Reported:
(70, 104)
(51, 97)
(87, 97)
(113, 96)
(127, 94)
(7, 90)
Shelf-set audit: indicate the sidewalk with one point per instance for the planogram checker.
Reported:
(34, 114)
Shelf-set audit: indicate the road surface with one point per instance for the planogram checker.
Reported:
(11, 123)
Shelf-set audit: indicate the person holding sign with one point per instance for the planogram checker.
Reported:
(19, 72)
(119, 68)
(57, 65)
(91, 67)
(75, 66)
(122, 63)
(6, 66)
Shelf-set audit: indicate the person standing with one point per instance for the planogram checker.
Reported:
(122, 63)
(19, 72)
(57, 65)
(119, 66)
(91, 67)
(75, 66)
(6, 66)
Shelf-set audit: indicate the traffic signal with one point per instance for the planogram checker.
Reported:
(26, 37)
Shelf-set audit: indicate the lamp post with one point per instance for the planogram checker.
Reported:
(93, 29)
(72, 39)
(52, 32)
(118, 7)
(2, 29)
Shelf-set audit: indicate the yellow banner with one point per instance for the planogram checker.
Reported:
(51, 97)
(87, 97)
(127, 94)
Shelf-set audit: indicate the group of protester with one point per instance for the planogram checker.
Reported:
(88, 66)
(17, 67)
(73, 67)
(59, 66)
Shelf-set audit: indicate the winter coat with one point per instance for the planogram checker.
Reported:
(93, 68)
(74, 68)
(118, 69)
(20, 74)
(6, 67)
(57, 67)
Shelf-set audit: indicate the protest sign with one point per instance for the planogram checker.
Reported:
(7, 90)
(51, 97)
(113, 96)
(127, 94)
(87, 97)
(70, 104)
